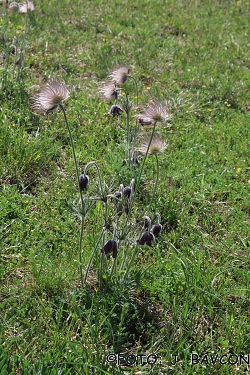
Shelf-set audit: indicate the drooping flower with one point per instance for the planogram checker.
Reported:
(13, 7)
(109, 91)
(117, 194)
(119, 75)
(158, 144)
(154, 112)
(110, 247)
(156, 230)
(83, 181)
(50, 97)
(147, 239)
(115, 110)
(127, 192)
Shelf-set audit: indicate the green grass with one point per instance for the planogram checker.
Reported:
(190, 292)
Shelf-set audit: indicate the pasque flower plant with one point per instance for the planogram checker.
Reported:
(118, 207)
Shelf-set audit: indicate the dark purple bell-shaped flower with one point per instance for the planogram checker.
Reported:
(115, 110)
(83, 181)
(110, 247)
(156, 230)
(127, 191)
(117, 194)
(147, 239)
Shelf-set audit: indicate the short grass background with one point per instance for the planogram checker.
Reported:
(188, 294)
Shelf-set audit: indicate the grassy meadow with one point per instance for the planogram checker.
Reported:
(182, 305)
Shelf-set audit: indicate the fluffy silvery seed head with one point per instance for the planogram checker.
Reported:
(154, 112)
(83, 181)
(13, 7)
(157, 145)
(50, 97)
(24, 8)
(115, 110)
(147, 239)
(109, 91)
(119, 75)
(110, 247)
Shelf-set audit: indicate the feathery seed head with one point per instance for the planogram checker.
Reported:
(13, 7)
(154, 112)
(50, 97)
(119, 75)
(158, 144)
(109, 91)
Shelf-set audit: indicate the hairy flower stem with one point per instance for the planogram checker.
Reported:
(103, 197)
(92, 256)
(134, 195)
(136, 87)
(128, 138)
(98, 172)
(140, 174)
(135, 251)
(81, 195)
(156, 181)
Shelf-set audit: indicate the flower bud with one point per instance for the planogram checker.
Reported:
(83, 181)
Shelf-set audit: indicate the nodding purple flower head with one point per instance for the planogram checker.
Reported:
(115, 110)
(156, 230)
(83, 181)
(147, 239)
(110, 247)
(117, 194)
(127, 191)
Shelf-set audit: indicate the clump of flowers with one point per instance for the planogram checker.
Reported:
(114, 209)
